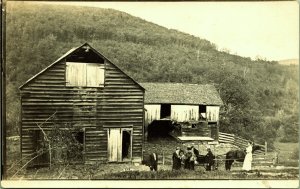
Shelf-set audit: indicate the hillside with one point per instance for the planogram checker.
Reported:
(289, 62)
(36, 35)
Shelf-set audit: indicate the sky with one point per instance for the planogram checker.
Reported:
(267, 30)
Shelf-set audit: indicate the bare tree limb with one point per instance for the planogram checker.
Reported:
(62, 171)
(27, 163)
(14, 164)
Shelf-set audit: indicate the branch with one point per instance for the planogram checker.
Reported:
(39, 125)
(62, 171)
(28, 163)
(21, 160)
(44, 151)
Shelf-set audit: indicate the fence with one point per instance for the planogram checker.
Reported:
(240, 142)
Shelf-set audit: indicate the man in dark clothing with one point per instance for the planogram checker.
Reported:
(195, 151)
(209, 159)
(153, 158)
(176, 159)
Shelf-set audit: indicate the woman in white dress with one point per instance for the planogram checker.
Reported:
(248, 158)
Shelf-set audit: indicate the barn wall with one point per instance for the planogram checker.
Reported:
(118, 104)
(183, 113)
(123, 106)
(212, 113)
(152, 113)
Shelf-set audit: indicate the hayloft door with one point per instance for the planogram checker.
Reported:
(114, 144)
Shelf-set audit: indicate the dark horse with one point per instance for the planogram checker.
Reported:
(237, 155)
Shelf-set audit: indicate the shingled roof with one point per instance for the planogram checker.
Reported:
(181, 93)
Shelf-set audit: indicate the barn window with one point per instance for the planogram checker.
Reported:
(84, 74)
(76, 149)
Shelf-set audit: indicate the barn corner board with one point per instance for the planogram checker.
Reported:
(87, 91)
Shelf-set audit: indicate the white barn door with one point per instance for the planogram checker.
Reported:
(114, 144)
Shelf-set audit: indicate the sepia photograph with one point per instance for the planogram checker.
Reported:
(150, 94)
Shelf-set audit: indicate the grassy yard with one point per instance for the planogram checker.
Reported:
(288, 153)
(165, 148)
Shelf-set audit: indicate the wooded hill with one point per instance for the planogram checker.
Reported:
(259, 96)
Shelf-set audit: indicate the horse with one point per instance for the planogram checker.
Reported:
(204, 161)
(237, 155)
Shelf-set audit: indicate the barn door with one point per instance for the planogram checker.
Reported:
(114, 144)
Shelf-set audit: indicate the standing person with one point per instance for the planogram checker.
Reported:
(153, 158)
(176, 159)
(195, 151)
(195, 154)
(209, 159)
(189, 162)
(181, 155)
(187, 158)
(248, 158)
(193, 158)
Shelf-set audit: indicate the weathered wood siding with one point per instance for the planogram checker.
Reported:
(152, 112)
(199, 129)
(182, 113)
(212, 113)
(123, 106)
(118, 104)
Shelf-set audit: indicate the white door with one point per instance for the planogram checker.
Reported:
(114, 144)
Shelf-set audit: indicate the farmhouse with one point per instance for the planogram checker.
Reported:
(85, 90)
(195, 107)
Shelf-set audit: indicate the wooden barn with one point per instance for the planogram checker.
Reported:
(85, 90)
(195, 107)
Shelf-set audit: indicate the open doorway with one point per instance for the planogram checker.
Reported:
(119, 144)
(165, 111)
(202, 112)
(126, 145)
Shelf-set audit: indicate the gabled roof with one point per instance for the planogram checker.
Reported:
(69, 53)
(180, 93)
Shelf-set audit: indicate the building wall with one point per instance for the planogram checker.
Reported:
(119, 105)
(187, 113)
(212, 113)
(183, 113)
(152, 112)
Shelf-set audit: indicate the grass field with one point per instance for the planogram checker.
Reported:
(288, 153)
(287, 169)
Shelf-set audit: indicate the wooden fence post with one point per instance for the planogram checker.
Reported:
(266, 147)
(163, 158)
(275, 161)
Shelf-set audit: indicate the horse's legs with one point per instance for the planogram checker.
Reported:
(228, 164)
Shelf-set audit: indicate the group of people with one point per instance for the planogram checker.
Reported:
(190, 158)
(181, 159)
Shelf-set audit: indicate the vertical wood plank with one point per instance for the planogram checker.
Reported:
(94, 75)
(183, 113)
(75, 74)
(152, 113)
(212, 113)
